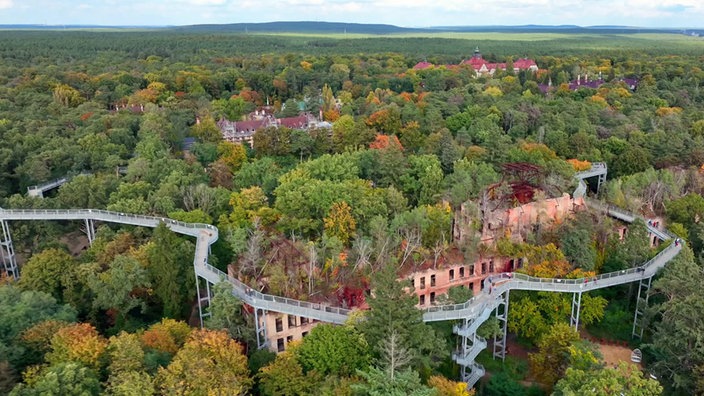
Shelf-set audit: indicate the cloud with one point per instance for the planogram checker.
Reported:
(204, 2)
(674, 8)
(6, 4)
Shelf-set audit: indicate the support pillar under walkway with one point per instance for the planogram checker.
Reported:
(576, 305)
(502, 316)
(90, 230)
(203, 300)
(641, 305)
(7, 252)
(260, 327)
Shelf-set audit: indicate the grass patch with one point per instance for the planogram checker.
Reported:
(515, 368)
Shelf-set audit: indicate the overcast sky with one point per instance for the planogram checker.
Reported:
(408, 13)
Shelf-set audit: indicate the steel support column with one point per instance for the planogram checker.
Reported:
(602, 180)
(576, 305)
(502, 316)
(203, 301)
(7, 251)
(260, 327)
(90, 231)
(641, 305)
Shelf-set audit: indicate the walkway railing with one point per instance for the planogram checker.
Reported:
(207, 234)
(471, 308)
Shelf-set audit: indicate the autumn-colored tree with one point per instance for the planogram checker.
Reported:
(79, 343)
(446, 387)
(328, 99)
(526, 319)
(206, 129)
(210, 363)
(284, 376)
(340, 222)
(166, 336)
(131, 383)
(552, 359)
(578, 165)
(246, 205)
(232, 154)
(44, 272)
(125, 353)
(383, 141)
(331, 115)
(38, 337)
(387, 120)
(68, 96)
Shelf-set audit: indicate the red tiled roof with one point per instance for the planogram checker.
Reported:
(524, 63)
(422, 65)
(294, 122)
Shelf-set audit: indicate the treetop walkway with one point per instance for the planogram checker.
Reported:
(472, 312)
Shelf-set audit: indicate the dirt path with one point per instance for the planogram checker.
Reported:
(613, 354)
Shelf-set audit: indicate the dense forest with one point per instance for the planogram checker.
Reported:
(131, 118)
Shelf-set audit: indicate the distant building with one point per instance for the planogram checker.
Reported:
(584, 81)
(483, 67)
(243, 131)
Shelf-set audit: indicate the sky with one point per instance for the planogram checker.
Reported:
(406, 13)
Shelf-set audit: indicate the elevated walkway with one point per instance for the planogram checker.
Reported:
(40, 189)
(205, 235)
(474, 310)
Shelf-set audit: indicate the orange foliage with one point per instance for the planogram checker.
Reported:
(250, 96)
(147, 95)
(538, 147)
(549, 269)
(38, 337)
(666, 111)
(578, 165)
(167, 336)
(579, 273)
(408, 97)
(331, 115)
(383, 141)
(307, 66)
(79, 342)
(598, 100)
(86, 116)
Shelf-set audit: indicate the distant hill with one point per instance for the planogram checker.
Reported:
(555, 29)
(304, 27)
(71, 27)
(362, 28)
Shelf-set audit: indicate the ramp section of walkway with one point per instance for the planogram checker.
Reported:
(475, 308)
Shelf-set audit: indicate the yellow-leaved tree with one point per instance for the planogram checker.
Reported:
(210, 363)
(340, 223)
(78, 343)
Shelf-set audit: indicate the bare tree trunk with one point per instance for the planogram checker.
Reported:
(395, 356)
(411, 237)
(312, 260)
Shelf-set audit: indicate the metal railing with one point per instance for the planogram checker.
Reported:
(48, 185)
(472, 308)
(476, 307)
(268, 301)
